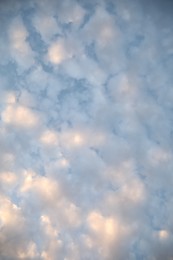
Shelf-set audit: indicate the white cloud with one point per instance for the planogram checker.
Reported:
(63, 49)
(20, 116)
(163, 234)
(71, 12)
(105, 233)
(8, 180)
(57, 53)
(30, 252)
(49, 138)
(85, 131)
(73, 139)
(19, 47)
(134, 191)
(44, 187)
(99, 224)
(46, 25)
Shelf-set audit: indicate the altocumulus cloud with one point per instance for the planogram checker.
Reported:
(86, 130)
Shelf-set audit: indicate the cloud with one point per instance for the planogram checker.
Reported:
(12, 235)
(45, 25)
(86, 130)
(20, 116)
(49, 138)
(19, 48)
(63, 49)
(57, 53)
(75, 15)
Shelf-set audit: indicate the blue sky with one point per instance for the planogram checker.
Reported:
(86, 130)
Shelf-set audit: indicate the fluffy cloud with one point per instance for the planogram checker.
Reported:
(19, 47)
(86, 130)
(19, 115)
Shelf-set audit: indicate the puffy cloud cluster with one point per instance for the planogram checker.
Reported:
(86, 130)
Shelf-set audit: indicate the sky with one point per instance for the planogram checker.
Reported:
(86, 130)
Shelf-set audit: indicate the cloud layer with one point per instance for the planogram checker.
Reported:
(86, 130)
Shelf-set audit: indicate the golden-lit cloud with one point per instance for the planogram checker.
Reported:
(163, 234)
(10, 214)
(58, 52)
(19, 115)
(8, 178)
(45, 188)
(28, 253)
(73, 138)
(105, 233)
(106, 227)
(49, 138)
(63, 162)
(77, 139)
(47, 226)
